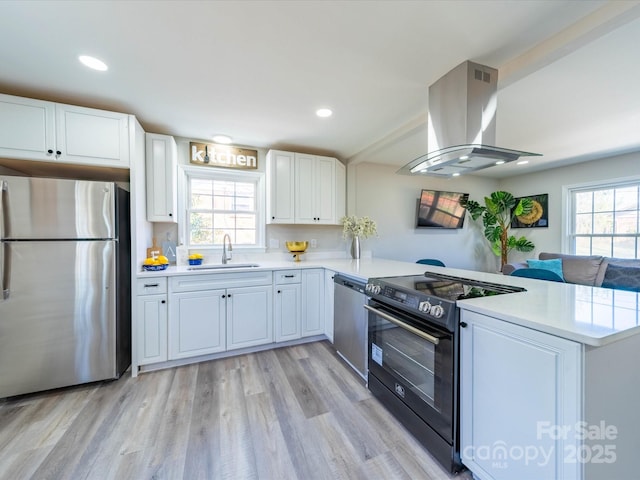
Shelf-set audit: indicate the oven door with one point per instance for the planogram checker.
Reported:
(415, 361)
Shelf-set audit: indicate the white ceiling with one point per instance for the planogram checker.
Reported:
(257, 71)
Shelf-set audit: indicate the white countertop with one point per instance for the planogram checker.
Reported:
(592, 316)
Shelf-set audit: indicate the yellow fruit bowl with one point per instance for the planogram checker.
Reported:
(297, 248)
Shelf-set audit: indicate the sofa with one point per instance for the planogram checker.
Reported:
(592, 270)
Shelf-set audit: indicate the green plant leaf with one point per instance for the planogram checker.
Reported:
(496, 248)
(524, 245)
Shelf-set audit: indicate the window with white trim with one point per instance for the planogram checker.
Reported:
(221, 203)
(605, 219)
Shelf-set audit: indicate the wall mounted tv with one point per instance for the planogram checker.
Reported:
(437, 209)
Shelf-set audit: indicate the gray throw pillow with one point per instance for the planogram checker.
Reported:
(580, 269)
(622, 278)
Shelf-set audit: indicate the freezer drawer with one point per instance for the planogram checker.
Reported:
(57, 316)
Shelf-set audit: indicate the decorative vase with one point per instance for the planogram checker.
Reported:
(355, 248)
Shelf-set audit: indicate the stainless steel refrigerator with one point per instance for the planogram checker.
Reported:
(65, 304)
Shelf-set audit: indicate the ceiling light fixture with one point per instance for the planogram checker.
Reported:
(324, 112)
(222, 139)
(93, 63)
(522, 162)
(455, 174)
(499, 162)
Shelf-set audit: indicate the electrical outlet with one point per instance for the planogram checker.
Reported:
(314, 243)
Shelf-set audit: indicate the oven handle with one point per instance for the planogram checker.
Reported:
(414, 330)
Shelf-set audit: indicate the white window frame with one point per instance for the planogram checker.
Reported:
(187, 172)
(568, 207)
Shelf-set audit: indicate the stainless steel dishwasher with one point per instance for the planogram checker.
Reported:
(350, 322)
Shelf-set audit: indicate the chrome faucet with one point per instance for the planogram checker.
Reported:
(226, 257)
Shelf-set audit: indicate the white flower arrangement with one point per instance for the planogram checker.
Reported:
(358, 227)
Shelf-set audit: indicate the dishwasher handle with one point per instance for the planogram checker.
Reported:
(349, 283)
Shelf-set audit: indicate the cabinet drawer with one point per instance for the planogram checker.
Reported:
(286, 276)
(150, 286)
(195, 283)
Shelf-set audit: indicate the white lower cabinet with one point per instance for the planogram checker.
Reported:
(219, 312)
(518, 387)
(288, 312)
(313, 302)
(197, 323)
(299, 303)
(287, 305)
(152, 329)
(249, 316)
(188, 316)
(151, 321)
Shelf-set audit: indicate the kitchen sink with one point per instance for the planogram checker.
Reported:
(223, 266)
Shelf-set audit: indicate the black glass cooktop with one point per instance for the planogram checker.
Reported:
(448, 287)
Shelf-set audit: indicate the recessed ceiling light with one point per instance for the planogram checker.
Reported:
(499, 162)
(222, 139)
(456, 174)
(464, 157)
(93, 63)
(324, 112)
(522, 162)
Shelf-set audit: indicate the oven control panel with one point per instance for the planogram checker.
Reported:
(413, 301)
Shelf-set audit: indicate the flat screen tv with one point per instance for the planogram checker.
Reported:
(437, 209)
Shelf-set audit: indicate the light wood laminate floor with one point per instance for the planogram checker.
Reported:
(289, 413)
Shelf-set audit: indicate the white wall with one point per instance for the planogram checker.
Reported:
(551, 182)
(390, 199)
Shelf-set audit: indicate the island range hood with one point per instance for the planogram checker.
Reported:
(462, 125)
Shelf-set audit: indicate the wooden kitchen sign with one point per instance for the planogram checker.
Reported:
(223, 156)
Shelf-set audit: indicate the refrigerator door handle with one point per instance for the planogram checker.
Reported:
(3, 193)
(4, 270)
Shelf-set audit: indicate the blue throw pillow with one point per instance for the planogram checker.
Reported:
(554, 265)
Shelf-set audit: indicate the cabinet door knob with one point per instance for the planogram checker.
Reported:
(229, 296)
(279, 291)
(171, 214)
(58, 153)
(163, 301)
(273, 218)
(224, 296)
(49, 152)
(463, 324)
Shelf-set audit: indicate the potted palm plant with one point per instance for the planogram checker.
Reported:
(497, 213)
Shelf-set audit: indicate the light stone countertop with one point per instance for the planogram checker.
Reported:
(589, 315)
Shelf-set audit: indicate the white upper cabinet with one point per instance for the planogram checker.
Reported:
(92, 137)
(315, 189)
(280, 186)
(304, 189)
(27, 128)
(162, 165)
(38, 130)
